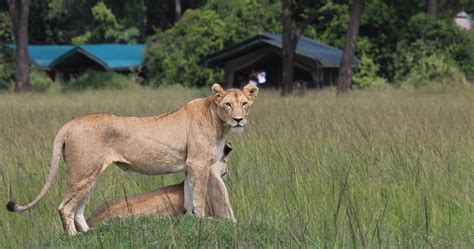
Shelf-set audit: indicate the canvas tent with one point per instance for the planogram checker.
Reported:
(66, 60)
(315, 63)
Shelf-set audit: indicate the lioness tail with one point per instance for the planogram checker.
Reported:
(57, 149)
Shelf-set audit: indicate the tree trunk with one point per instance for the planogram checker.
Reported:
(288, 49)
(177, 8)
(345, 71)
(19, 12)
(432, 7)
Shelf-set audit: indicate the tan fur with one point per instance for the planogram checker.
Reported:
(188, 140)
(165, 202)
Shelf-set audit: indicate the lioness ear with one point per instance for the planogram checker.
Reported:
(227, 148)
(218, 91)
(251, 91)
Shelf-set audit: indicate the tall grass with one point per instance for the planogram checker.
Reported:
(384, 168)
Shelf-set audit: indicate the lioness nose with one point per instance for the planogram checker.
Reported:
(238, 119)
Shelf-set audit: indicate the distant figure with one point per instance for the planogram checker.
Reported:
(258, 77)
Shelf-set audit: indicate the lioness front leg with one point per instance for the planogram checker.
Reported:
(196, 178)
(218, 197)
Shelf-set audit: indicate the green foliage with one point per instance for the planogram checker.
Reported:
(40, 81)
(366, 74)
(427, 37)
(106, 28)
(331, 26)
(6, 29)
(7, 70)
(93, 79)
(65, 20)
(173, 55)
(135, 16)
(378, 35)
(435, 69)
(246, 18)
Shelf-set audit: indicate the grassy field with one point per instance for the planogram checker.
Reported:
(382, 168)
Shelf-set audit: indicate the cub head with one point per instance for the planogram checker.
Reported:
(233, 104)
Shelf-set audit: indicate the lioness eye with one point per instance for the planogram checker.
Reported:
(245, 103)
(228, 104)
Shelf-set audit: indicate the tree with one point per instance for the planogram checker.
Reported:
(19, 11)
(345, 71)
(177, 9)
(432, 7)
(290, 37)
(107, 28)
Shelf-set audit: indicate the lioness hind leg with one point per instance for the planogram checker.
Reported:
(80, 185)
(71, 206)
(79, 218)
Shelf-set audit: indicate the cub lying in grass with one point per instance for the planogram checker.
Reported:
(169, 201)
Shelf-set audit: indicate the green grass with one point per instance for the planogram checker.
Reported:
(382, 168)
(181, 232)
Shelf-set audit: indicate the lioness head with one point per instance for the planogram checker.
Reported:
(233, 104)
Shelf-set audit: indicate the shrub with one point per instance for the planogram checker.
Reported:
(435, 69)
(366, 74)
(40, 81)
(426, 37)
(173, 55)
(7, 70)
(93, 79)
(5, 28)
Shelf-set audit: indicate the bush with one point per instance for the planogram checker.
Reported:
(7, 70)
(366, 74)
(93, 79)
(40, 81)
(173, 55)
(426, 37)
(435, 69)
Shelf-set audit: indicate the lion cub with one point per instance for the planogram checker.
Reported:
(169, 201)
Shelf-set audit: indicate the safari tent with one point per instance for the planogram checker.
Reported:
(316, 63)
(66, 60)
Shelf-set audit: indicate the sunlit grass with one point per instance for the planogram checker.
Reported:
(373, 168)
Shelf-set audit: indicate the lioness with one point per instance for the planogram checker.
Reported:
(169, 201)
(189, 140)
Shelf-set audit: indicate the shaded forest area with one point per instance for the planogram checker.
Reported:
(399, 40)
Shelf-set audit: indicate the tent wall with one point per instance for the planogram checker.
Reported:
(268, 59)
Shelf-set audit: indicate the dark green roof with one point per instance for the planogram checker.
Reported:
(325, 55)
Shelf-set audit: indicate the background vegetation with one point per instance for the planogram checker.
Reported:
(375, 168)
(395, 36)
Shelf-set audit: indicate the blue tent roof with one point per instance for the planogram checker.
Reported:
(326, 55)
(108, 56)
(117, 56)
(42, 55)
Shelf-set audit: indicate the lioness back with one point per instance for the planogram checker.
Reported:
(164, 202)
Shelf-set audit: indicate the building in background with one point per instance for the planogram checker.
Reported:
(316, 64)
(64, 61)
